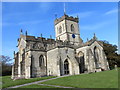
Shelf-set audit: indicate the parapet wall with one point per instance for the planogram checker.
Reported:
(44, 44)
(66, 17)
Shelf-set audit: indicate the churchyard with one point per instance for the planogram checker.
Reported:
(105, 79)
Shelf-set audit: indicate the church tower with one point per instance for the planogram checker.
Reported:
(67, 29)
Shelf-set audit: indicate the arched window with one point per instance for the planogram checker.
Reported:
(57, 30)
(96, 55)
(60, 29)
(63, 27)
(72, 27)
(66, 67)
(81, 62)
(41, 60)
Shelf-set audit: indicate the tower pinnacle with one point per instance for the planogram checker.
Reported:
(21, 32)
(26, 33)
(95, 38)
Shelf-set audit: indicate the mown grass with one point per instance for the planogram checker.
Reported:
(8, 82)
(105, 79)
(0, 82)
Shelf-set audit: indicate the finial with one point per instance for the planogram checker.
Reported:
(18, 39)
(21, 32)
(95, 36)
(87, 39)
(26, 33)
(55, 16)
(41, 34)
(50, 36)
(14, 52)
(77, 16)
(64, 9)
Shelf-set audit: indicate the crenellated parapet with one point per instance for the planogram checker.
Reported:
(66, 17)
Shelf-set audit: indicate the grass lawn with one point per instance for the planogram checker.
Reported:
(105, 79)
(7, 81)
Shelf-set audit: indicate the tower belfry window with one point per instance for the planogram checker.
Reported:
(72, 27)
(60, 29)
(63, 27)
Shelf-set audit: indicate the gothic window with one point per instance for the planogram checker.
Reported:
(57, 30)
(96, 55)
(41, 61)
(60, 29)
(81, 62)
(66, 67)
(72, 28)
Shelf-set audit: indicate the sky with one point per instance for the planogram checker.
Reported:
(38, 17)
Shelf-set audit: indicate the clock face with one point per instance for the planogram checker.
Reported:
(73, 35)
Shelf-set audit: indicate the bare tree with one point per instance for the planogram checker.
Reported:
(5, 65)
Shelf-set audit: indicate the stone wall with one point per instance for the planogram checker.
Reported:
(89, 56)
(37, 70)
(56, 58)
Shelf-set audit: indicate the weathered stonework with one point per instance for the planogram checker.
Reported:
(67, 54)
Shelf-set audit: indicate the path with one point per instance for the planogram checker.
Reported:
(37, 82)
(54, 86)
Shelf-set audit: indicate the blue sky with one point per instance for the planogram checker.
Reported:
(95, 17)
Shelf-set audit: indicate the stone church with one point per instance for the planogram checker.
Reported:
(65, 55)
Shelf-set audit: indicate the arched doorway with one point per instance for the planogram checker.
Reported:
(66, 67)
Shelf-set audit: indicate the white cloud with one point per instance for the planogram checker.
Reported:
(45, 7)
(95, 26)
(111, 11)
(30, 22)
(83, 14)
(21, 23)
